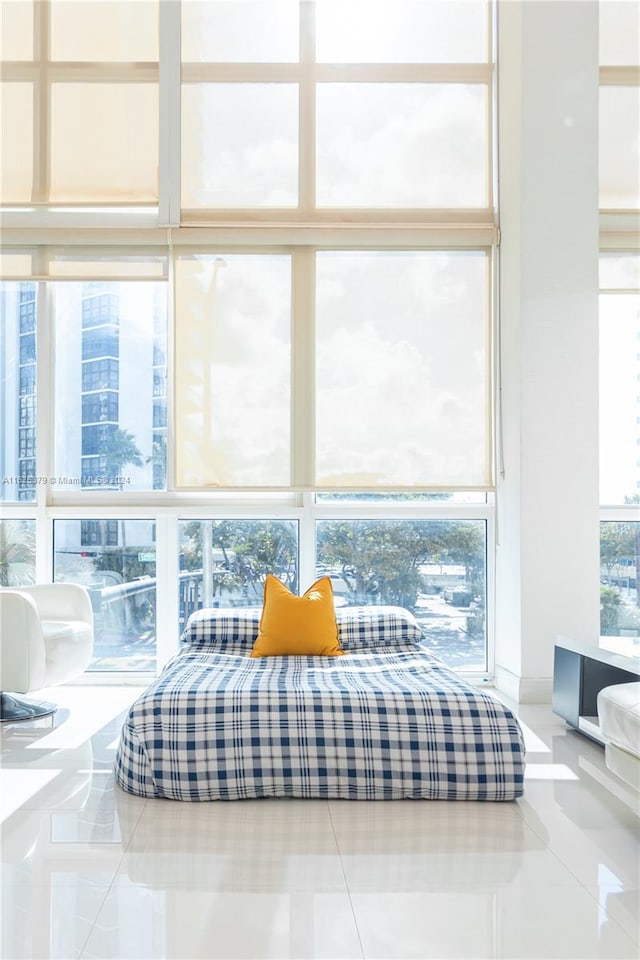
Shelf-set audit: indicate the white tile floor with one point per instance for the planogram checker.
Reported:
(90, 872)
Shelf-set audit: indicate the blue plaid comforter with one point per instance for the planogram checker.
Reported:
(393, 723)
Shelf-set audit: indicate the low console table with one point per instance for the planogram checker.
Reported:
(579, 674)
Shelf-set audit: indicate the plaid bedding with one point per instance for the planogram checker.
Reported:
(394, 723)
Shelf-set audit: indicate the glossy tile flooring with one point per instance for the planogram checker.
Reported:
(90, 872)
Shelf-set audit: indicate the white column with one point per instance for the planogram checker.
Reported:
(548, 537)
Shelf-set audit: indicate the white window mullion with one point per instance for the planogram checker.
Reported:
(490, 374)
(167, 587)
(169, 119)
(45, 415)
(307, 541)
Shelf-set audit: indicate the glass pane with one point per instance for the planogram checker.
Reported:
(254, 31)
(116, 561)
(16, 30)
(619, 147)
(620, 271)
(401, 369)
(224, 563)
(619, 398)
(402, 145)
(104, 142)
(619, 32)
(619, 595)
(17, 552)
(16, 142)
(104, 30)
(18, 315)
(239, 145)
(434, 568)
(110, 385)
(401, 31)
(232, 371)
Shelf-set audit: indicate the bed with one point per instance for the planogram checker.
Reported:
(387, 721)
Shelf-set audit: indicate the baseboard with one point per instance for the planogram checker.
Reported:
(523, 689)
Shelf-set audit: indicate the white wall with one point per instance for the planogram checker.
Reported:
(548, 533)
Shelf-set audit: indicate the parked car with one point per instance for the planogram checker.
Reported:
(458, 596)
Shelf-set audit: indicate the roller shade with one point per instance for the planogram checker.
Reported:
(56, 263)
(333, 370)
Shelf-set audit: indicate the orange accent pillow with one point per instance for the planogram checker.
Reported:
(297, 626)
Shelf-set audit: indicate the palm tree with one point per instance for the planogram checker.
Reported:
(17, 546)
(120, 450)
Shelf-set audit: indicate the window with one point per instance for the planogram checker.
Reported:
(98, 407)
(102, 533)
(80, 103)
(619, 326)
(619, 106)
(365, 105)
(323, 202)
(104, 383)
(435, 568)
(100, 375)
(116, 561)
(619, 377)
(224, 563)
(402, 371)
(619, 439)
(17, 552)
(400, 363)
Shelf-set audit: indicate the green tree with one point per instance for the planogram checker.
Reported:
(119, 451)
(380, 560)
(620, 550)
(610, 601)
(250, 549)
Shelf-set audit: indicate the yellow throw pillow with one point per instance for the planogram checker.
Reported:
(297, 626)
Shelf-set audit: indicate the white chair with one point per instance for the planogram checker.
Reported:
(46, 638)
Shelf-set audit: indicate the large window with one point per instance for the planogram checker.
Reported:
(620, 326)
(247, 308)
(620, 448)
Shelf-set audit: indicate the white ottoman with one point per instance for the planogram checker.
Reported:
(619, 716)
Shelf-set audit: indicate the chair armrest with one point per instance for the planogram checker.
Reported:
(22, 648)
(61, 601)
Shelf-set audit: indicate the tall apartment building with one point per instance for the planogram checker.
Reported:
(18, 393)
(111, 380)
